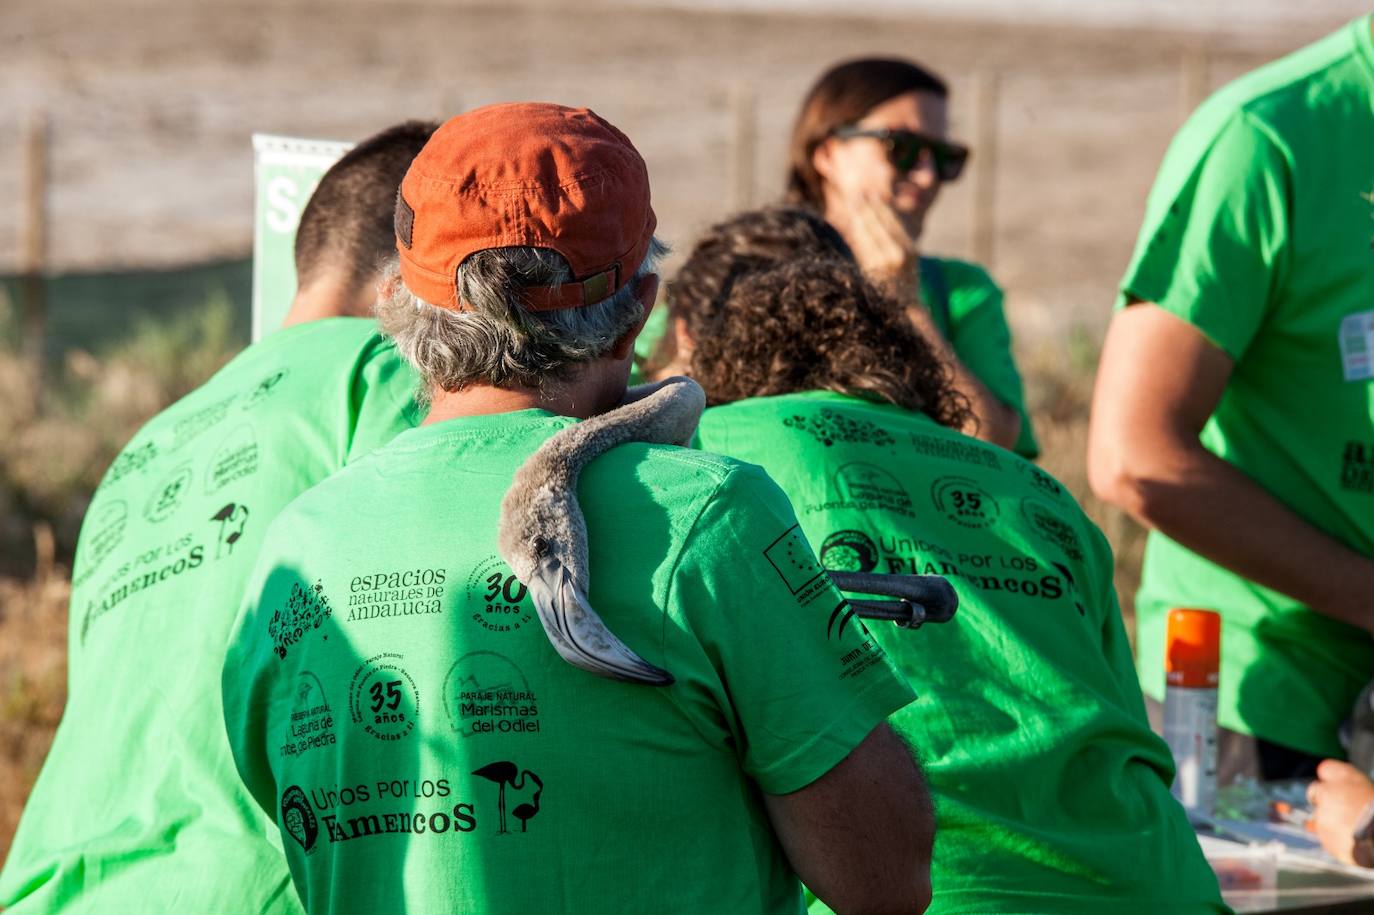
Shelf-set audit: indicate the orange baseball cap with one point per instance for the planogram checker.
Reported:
(532, 175)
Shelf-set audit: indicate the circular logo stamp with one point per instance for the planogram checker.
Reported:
(485, 693)
(298, 819)
(237, 457)
(849, 551)
(382, 699)
(311, 724)
(1050, 527)
(869, 487)
(129, 460)
(107, 524)
(263, 389)
(963, 501)
(1040, 479)
(168, 495)
(497, 597)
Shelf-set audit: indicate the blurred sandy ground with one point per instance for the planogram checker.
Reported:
(151, 106)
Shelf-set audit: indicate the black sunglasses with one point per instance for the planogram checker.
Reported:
(905, 149)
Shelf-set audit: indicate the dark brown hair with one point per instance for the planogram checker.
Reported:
(348, 224)
(775, 306)
(844, 94)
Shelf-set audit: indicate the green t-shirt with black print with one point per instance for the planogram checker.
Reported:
(395, 704)
(138, 807)
(1051, 792)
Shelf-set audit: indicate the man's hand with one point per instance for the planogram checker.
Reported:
(1339, 797)
(860, 836)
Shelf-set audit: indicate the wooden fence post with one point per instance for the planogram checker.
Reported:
(983, 225)
(1194, 80)
(744, 143)
(33, 252)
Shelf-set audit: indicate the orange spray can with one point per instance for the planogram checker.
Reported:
(1192, 661)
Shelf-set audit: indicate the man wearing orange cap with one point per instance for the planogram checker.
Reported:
(446, 754)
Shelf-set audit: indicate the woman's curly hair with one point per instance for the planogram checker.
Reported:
(775, 305)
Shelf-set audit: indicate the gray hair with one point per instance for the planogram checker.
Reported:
(496, 340)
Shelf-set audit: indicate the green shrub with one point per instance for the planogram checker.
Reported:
(59, 440)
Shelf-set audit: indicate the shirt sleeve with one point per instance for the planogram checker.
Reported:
(799, 679)
(1213, 244)
(982, 340)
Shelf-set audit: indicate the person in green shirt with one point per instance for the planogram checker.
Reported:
(393, 693)
(1251, 458)
(870, 150)
(138, 807)
(1052, 794)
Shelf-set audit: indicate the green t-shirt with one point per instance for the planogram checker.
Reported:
(967, 307)
(391, 696)
(138, 806)
(1052, 794)
(1258, 233)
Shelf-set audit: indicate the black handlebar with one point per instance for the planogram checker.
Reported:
(920, 598)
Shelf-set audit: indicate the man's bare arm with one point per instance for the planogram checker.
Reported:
(1158, 381)
(860, 836)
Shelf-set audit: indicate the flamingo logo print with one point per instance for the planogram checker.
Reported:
(232, 519)
(508, 774)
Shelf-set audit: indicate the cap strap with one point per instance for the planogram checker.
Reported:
(578, 294)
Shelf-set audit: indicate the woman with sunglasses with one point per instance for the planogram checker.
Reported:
(869, 152)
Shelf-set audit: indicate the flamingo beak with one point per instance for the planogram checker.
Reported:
(577, 632)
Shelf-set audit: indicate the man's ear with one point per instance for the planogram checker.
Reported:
(647, 293)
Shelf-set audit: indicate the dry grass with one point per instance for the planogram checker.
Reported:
(54, 449)
(33, 676)
(57, 445)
